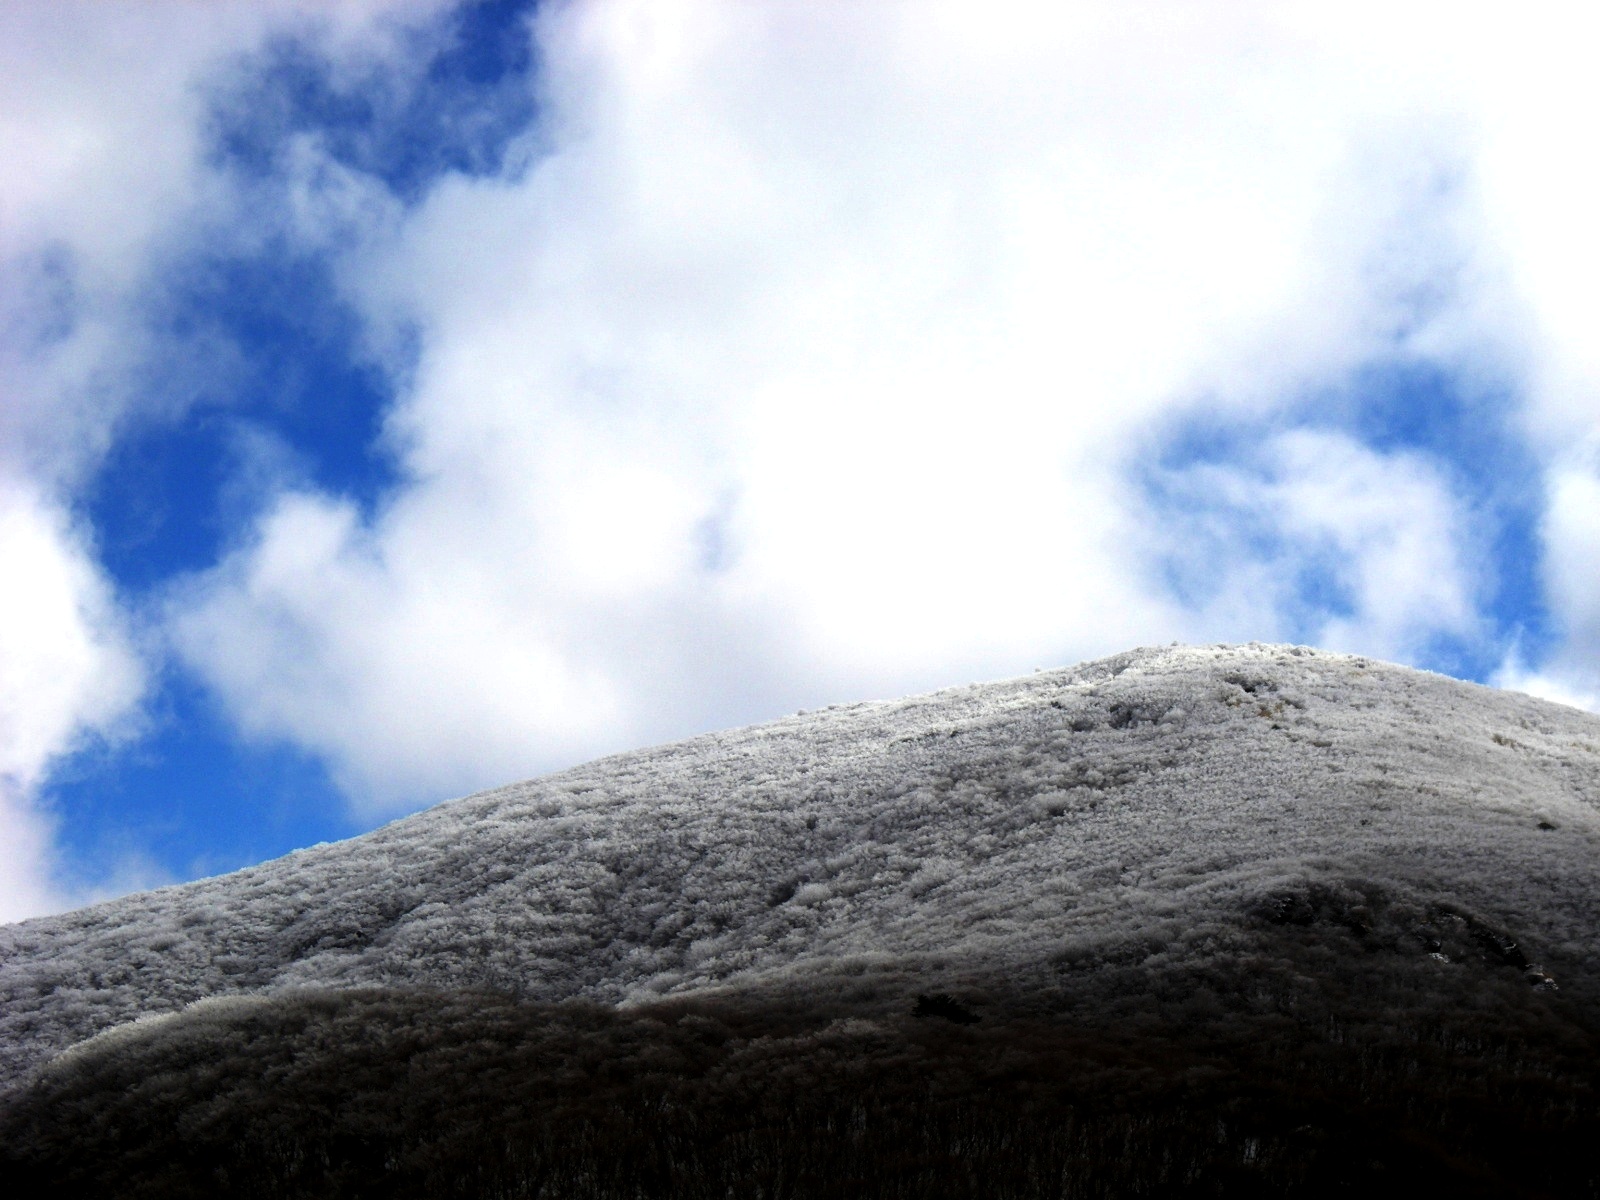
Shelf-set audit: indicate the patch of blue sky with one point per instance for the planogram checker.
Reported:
(455, 101)
(1465, 431)
(1219, 534)
(254, 335)
(1469, 433)
(283, 397)
(260, 383)
(189, 800)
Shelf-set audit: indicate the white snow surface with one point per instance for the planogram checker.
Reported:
(1130, 806)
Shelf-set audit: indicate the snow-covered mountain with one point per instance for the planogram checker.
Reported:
(1160, 808)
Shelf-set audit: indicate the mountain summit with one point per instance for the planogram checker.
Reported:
(1190, 847)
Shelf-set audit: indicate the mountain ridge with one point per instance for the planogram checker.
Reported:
(1131, 810)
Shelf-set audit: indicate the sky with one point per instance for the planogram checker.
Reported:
(402, 397)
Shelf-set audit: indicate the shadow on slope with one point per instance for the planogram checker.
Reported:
(1298, 1064)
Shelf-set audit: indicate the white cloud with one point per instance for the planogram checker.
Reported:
(1539, 196)
(102, 113)
(1382, 535)
(1545, 686)
(1571, 536)
(312, 627)
(804, 360)
(806, 357)
(66, 672)
(95, 170)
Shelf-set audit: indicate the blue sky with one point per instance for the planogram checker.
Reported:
(187, 796)
(406, 398)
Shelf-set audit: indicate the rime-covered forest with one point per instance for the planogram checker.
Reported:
(1186, 921)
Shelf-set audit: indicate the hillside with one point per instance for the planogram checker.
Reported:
(1189, 850)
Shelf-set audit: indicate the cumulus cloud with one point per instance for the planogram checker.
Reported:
(67, 672)
(1570, 675)
(803, 352)
(102, 117)
(804, 360)
(1315, 537)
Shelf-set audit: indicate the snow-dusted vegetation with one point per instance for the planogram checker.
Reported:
(1207, 844)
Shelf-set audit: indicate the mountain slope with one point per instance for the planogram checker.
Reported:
(1161, 807)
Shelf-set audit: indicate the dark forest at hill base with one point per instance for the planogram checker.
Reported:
(1200, 1085)
(1215, 921)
